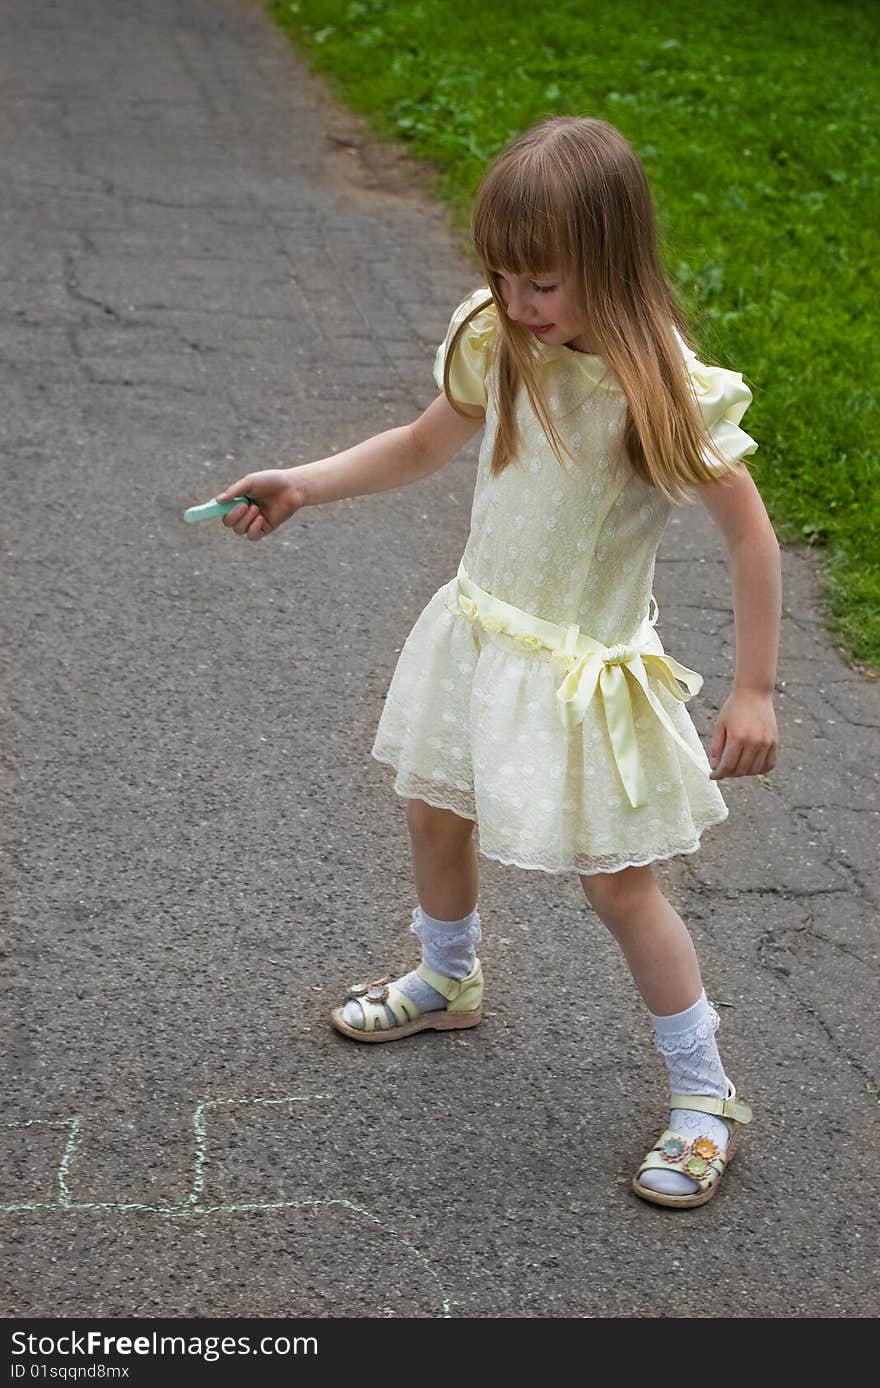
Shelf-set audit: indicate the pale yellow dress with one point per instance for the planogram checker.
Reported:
(471, 721)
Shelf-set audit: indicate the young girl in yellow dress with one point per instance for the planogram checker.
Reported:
(533, 696)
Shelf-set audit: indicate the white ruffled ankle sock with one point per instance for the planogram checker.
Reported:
(448, 947)
(686, 1040)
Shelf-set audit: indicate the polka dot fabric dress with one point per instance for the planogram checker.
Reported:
(471, 720)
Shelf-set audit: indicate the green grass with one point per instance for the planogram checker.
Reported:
(757, 126)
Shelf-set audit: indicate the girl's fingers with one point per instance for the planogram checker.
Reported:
(729, 760)
(237, 489)
(716, 755)
(750, 761)
(756, 760)
(745, 759)
(252, 523)
(716, 746)
(241, 518)
(766, 761)
(231, 519)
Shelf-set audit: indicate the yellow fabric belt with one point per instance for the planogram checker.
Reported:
(593, 666)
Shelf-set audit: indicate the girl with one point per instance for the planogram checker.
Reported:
(533, 695)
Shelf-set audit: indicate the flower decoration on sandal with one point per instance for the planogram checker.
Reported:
(697, 1167)
(704, 1147)
(673, 1149)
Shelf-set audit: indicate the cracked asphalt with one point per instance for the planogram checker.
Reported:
(208, 268)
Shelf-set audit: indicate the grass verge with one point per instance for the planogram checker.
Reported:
(757, 126)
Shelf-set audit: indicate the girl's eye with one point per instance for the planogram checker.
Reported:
(541, 288)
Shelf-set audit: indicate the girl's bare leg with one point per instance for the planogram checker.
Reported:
(663, 962)
(652, 935)
(444, 860)
(447, 923)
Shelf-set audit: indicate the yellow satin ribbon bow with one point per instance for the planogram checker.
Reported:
(609, 668)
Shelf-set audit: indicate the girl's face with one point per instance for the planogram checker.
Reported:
(543, 305)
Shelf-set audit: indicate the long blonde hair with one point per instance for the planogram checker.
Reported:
(570, 195)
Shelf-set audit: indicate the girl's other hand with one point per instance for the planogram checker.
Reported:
(745, 740)
(275, 499)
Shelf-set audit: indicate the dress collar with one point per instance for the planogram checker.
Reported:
(593, 368)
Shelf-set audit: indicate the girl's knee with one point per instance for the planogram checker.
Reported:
(430, 822)
(617, 894)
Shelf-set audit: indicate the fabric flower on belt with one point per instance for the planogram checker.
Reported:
(467, 606)
(529, 641)
(492, 623)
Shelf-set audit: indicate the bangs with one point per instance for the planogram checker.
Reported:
(516, 226)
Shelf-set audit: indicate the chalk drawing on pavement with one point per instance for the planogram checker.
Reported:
(192, 1206)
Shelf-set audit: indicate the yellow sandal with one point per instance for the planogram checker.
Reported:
(464, 1009)
(700, 1159)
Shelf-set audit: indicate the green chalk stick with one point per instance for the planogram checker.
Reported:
(213, 508)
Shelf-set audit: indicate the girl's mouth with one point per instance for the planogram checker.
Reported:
(545, 327)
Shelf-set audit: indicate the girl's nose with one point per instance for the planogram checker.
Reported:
(516, 305)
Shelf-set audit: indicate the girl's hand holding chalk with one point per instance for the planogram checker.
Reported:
(255, 505)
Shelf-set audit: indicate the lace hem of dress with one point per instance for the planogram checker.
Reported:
(460, 802)
(589, 867)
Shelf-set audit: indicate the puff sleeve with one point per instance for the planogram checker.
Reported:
(723, 398)
(469, 370)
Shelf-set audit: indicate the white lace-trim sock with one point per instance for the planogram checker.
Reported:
(448, 947)
(686, 1040)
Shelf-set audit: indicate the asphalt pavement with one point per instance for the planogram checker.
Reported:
(208, 268)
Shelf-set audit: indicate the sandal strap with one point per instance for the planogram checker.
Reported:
(450, 988)
(708, 1103)
(402, 1008)
(656, 1161)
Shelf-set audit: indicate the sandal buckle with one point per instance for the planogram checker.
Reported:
(366, 990)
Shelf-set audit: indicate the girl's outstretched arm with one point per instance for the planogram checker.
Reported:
(391, 459)
(746, 740)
